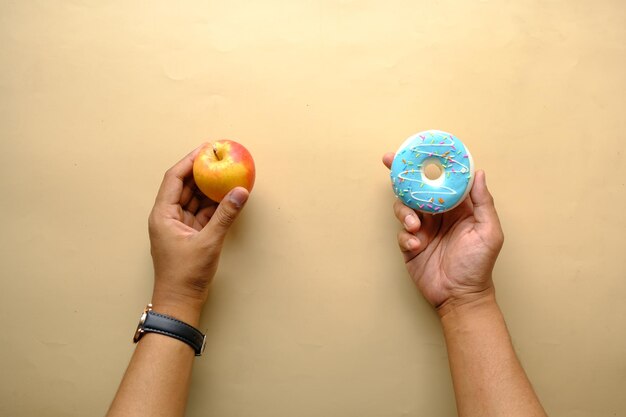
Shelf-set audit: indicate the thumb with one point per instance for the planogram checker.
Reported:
(225, 214)
(484, 208)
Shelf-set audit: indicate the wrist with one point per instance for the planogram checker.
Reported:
(183, 308)
(468, 304)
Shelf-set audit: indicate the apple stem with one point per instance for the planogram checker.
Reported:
(215, 152)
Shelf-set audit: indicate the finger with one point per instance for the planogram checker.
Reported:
(406, 216)
(225, 214)
(173, 181)
(430, 227)
(189, 190)
(187, 218)
(203, 200)
(204, 215)
(484, 208)
(193, 205)
(388, 159)
(409, 244)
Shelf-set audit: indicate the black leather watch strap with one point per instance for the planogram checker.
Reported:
(169, 326)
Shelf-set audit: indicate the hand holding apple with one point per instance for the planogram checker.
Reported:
(187, 231)
(221, 166)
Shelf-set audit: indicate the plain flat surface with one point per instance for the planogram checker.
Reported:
(312, 313)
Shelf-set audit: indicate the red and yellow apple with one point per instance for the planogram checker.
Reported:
(221, 166)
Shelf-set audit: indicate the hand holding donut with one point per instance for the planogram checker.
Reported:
(450, 256)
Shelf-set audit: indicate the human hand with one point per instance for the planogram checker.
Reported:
(187, 231)
(450, 256)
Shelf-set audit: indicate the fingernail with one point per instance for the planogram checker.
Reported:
(410, 220)
(238, 196)
(411, 244)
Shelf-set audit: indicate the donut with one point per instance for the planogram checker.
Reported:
(412, 169)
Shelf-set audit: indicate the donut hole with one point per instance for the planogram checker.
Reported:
(433, 172)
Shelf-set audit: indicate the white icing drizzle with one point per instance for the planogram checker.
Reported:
(443, 190)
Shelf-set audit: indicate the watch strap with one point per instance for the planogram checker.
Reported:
(169, 326)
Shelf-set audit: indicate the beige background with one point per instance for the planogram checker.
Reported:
(312, 313)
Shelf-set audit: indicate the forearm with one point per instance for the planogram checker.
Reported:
(156, 382)
(488, 378)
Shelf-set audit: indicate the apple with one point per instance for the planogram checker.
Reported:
(221, 166)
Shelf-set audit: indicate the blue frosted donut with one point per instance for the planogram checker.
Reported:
(443, 150)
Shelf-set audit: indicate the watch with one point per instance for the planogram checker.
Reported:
(151, 321)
